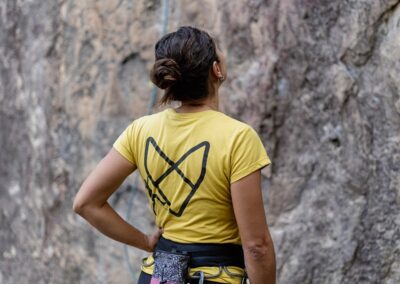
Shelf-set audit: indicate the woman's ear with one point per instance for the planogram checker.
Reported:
(217, 70)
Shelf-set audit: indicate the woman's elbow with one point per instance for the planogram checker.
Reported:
(259, 249)
(77, 207)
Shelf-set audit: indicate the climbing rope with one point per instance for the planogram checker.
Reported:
(152, 102)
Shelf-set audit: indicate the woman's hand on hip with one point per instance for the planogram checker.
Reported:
(153, 239)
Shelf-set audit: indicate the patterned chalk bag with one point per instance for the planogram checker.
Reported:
(170, 267)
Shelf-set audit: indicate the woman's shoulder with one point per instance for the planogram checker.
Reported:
(142, 120)
(218, 119)
(234, 123)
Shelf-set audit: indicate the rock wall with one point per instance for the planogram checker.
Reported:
(318, 79)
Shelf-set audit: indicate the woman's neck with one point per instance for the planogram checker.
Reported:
(206, 104)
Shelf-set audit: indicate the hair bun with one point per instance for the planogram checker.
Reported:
(165, 73)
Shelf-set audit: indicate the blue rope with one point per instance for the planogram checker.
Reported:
(128, 214)
(152, 102)
(165, 12)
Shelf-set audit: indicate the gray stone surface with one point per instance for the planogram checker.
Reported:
(318, 79)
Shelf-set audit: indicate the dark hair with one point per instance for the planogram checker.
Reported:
(183, 61)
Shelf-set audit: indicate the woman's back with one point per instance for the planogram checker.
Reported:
(187, 162)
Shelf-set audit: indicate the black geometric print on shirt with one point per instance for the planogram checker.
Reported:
(157, 193)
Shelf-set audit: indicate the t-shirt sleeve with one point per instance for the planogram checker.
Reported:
(248, 154)
(125, 143)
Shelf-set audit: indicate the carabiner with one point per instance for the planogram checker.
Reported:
(145, 264)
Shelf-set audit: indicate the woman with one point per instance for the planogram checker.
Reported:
(201, 169)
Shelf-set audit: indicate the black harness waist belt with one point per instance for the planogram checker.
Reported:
(206, 254)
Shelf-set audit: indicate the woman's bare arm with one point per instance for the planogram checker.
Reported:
(91, 202)
(256, 240)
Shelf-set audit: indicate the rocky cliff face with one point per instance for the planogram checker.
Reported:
(318, 79)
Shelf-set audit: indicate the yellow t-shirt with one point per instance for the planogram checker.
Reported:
(187, 162)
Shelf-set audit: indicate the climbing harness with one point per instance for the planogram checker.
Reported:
(203, 255)
(203, 276)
